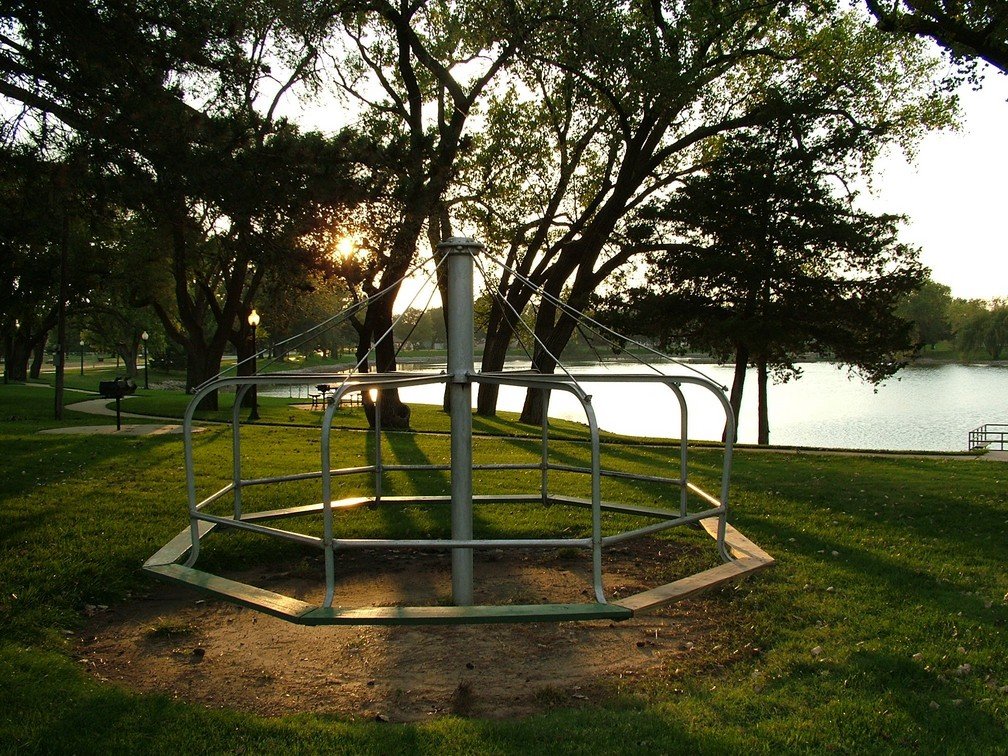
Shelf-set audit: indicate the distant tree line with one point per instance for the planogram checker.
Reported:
(974, 328)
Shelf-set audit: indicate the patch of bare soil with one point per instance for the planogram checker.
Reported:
(175, 642)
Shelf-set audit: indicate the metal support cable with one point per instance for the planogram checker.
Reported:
(613, 343)
(521, 342)
(328, 324)
(581, 316)
(423, 311)
(580, 328)
(388, 332)
(505, 305)
(591, 345)
(351, 310)
(537, 340)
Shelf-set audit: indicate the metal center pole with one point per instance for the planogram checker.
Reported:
(459, 308)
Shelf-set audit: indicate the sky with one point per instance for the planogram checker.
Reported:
(954, 194)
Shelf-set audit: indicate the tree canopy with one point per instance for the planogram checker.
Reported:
(562, 135)
(773, 262)
(177, 105)
(967, 29)
(928, 309)
(623, 120)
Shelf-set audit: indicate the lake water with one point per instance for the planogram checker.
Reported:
(931, 407)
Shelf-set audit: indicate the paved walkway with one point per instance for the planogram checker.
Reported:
(100, 407)
(995, 456)
(127, 429)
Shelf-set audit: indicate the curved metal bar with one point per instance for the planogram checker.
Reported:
(534, 381)
(547, 382)
(596, 503)
(327, 517)
(683, 446)
(236, 447)
(387, 380)
(557, 381)
(190, 472)
(725, 472)
(544, 485)
(377, 441)
(531, 380)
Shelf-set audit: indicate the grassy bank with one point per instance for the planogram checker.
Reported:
(882, 627)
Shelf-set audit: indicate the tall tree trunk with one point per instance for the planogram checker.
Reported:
(378, 319)
(38, 357)
(553, 333)
(494, 354)
(544, 362)
(395, 415)
(764, 417)
(202, 362)
(737, 387)
(61, 347)
(129, 357)
(439, 228)
(16, 358)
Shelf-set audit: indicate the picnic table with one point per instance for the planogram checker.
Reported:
(323, 389)
(352, 399)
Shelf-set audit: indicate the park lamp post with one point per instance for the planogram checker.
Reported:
(144, 336)
(253, 321)
(82, 356)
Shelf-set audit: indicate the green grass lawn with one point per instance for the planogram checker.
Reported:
(894, 568)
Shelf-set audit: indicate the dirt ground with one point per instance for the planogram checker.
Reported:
(175, 642)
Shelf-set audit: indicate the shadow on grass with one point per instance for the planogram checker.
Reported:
(890, 499)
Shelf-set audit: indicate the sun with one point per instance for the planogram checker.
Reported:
(346, 247)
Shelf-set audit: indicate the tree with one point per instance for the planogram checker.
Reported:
(774, 263)
(428, 64)
(421, 328)
(292, 310)
(967, 29)
(928, 309)
(962, 310)
(53, 237)
(987, 331)
(180, 104)
(633, 99)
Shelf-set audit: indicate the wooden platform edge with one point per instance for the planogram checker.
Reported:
(262, 600)
(738, 544)
(688, 586)
(470, 615)
(178, 546)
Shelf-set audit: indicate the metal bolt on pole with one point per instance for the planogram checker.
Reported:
(460, 251)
